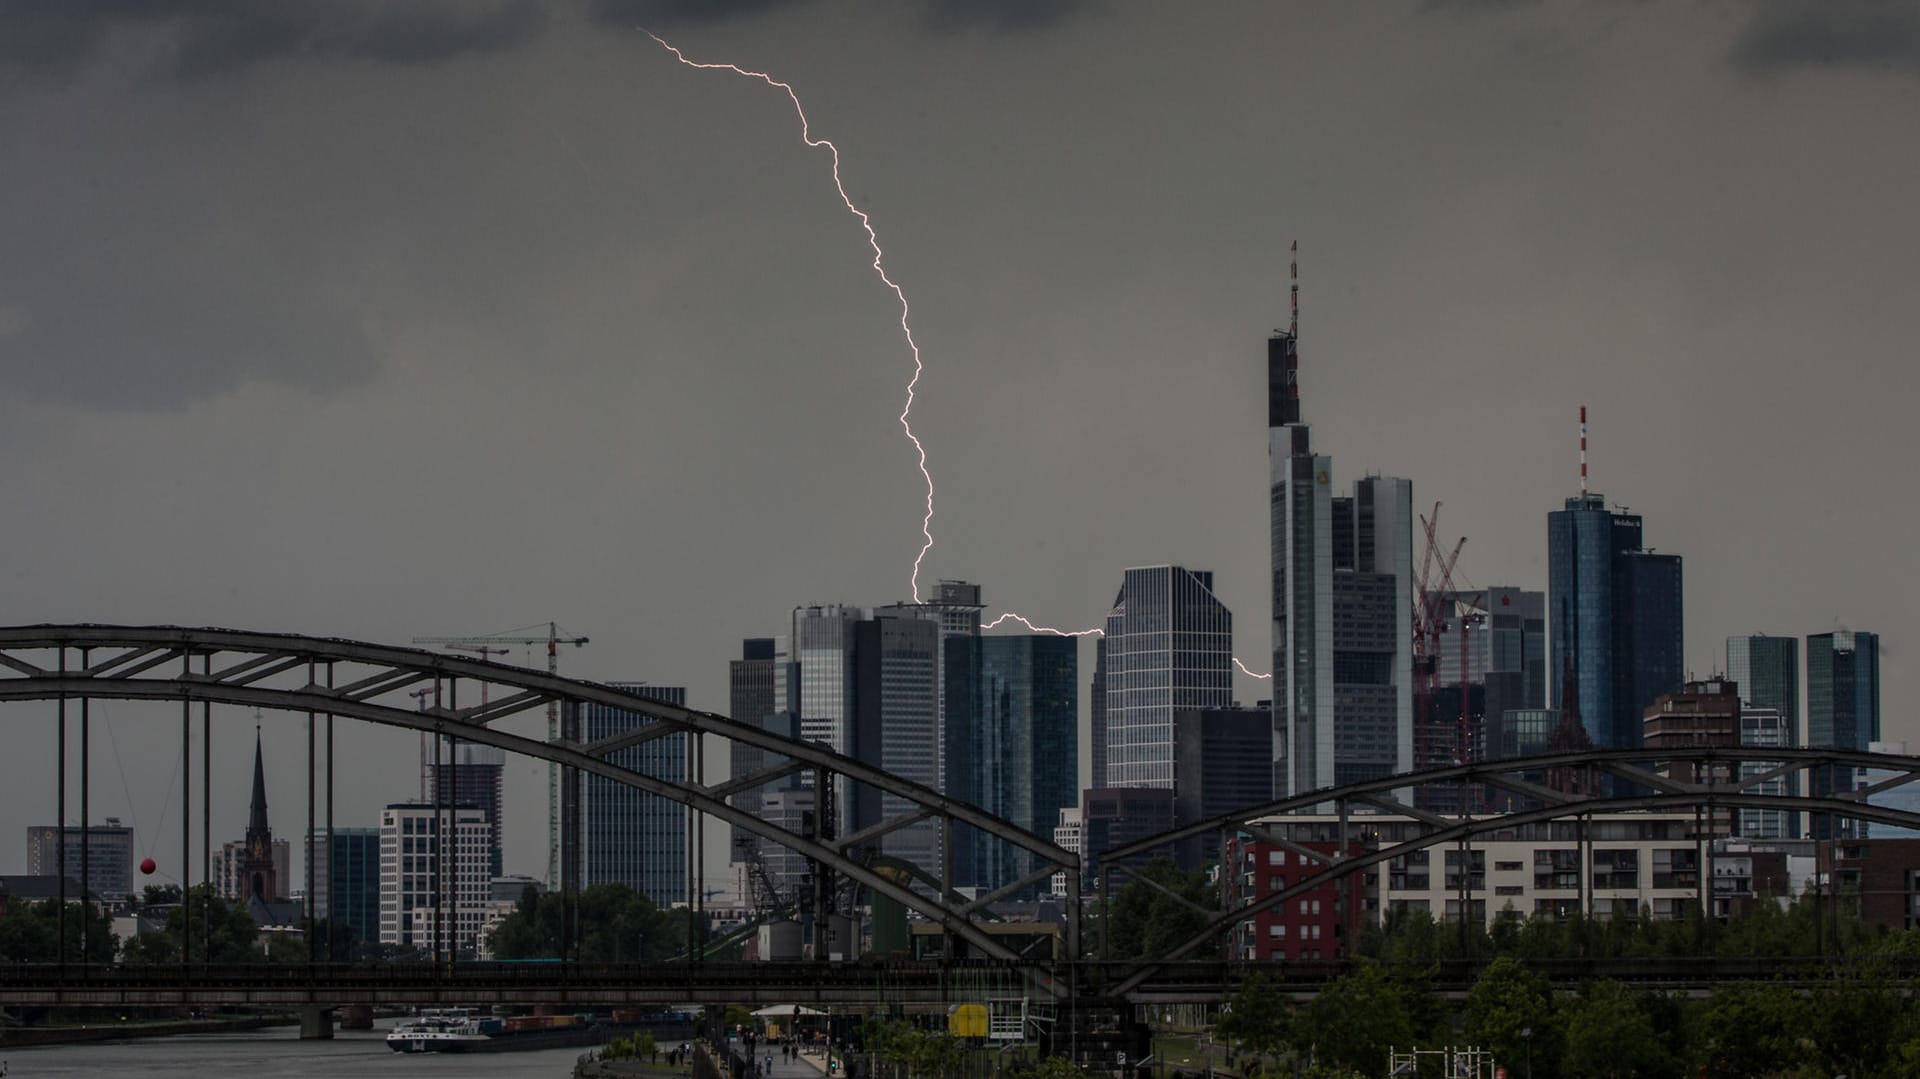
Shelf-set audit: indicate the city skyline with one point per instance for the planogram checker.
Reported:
(1031, 382)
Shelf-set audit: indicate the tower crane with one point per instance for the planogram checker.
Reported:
(553, 640)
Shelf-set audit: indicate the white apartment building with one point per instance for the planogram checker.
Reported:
(1612, 863)
(410, 882)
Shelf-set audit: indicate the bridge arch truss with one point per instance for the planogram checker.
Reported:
(469, 697)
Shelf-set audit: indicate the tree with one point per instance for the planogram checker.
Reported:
(229, 925)
(30, 933)
(1357, 1019)
(648, 1047)
(1256, 1019)
(1752, 1029)
(1610, 1037)
(1145, 921)
(615, 926)
(1511, 1011)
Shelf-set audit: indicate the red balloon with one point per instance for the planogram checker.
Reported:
(147, 866)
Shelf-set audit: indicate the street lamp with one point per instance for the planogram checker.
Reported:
(1526, 1035)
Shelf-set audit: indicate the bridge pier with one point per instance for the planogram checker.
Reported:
(316, 1023)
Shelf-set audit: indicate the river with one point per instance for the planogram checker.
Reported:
(276, 1053)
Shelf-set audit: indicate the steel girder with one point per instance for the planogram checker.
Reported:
(271, 670)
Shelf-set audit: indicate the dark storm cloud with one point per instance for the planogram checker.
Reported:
(1830, 34)
(160, 339)
(664, 13)
(1002, 16)
(1475, 7)
(212, 37)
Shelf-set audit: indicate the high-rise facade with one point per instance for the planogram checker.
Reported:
(869, 687)
(1221, 763)
(1767, 670)
(1843, 689)
(414, 853)
(1013, 709)
(1373, 630)
(1614, 618)
(468, 774)
(1342, 605)
(346, 879)
(1097, 714)
(108, 857)
(1843, 711)
(629, 836)
(1169, 645)
(1301, 513)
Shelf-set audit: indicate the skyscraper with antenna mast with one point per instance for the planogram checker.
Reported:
(1342, 572)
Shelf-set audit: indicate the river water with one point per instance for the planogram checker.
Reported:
(277, 1054)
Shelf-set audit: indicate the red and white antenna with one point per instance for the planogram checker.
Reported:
(1583, 451)
(1293, 273)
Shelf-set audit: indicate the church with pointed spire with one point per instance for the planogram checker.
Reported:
(256, 872)
(259, 874)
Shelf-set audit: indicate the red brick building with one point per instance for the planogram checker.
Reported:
(1319, 923)
(1882, 876)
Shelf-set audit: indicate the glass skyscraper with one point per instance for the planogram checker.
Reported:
(346, 876)
(869, 687)
(628, 836)
(1013, 712)
(1843, 709)
(1342, 606)
(1169, 646)
(1767, 670)
(1614, 614)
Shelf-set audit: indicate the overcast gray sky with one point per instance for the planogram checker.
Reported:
(376, 320)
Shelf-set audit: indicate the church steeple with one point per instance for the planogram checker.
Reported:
(257, 815)
(259, 872)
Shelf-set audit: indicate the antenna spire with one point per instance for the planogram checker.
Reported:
(1583, 451)
(1293, 274)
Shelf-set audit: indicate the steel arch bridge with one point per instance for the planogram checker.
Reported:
(1549, 787)
(375, 683)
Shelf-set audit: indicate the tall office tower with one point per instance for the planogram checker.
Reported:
(466, 774)
(1221, 763)
(1169, 646)
(1013, 702)
(1373, 630)
(750, 700)
(955, 607)
(1843, 710)
(1614, 612)
(1342, 605)
(412, 889)
(109, 857)
(346, 881)
(869, 687)
(1301, 505)
(628, 836)
(1097, 712)
(1499, 636)
(757, 695)
(1767, 670)
(897, 724)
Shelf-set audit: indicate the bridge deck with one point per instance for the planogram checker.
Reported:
(843, 984)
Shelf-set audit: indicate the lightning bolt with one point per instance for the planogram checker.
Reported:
(906, 328)
(1096, 632)
(873, 241)
(1022, 619)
